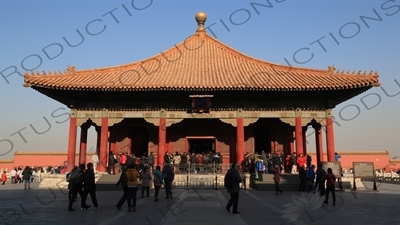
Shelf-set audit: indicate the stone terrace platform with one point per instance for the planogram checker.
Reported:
(202, 206)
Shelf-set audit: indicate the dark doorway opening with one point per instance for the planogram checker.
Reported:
(262, 139)
(140, 140)
(201, 145)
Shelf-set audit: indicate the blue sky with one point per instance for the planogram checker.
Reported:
(369, 121)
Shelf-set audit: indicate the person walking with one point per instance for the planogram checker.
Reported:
(330, 186)
(294, 163)
(26, 176)
(132, 176)
(75, 181)
(259, 168)
(233, 189)
(13, 173)
(3, 177)
(310, 178)
(150, 161)
(122, 162)
(89, 187)
(308, 161)
(303, 178)
(300, 161)
(158, 181)
(145, 177)
(337, 157)
(168, 176)
(264, 159)
(70, 176)
(277, 178)
(320, 180)
(112, 160)
(95, 161)
(123, 181)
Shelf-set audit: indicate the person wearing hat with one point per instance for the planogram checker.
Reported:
(277, 178)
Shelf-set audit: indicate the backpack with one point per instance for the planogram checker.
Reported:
(156, 180)
(229, 180)
(72, 175)
(68, 177)
(165, 173)
(76, 180)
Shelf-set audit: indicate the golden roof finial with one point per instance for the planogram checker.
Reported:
(71, 69)
(201, 18)
(331, 69)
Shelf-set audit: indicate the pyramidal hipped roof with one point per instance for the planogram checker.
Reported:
(201, 62)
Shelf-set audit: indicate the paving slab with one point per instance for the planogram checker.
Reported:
(202, 206)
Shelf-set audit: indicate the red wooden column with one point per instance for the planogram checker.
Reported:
(162, 139)
(330, 142)
(129, 144)
(299, 136)
(240, 140)
(272, 138)
(71, 144)
(113, 138)
(83, 144)
(318, 143)
(98, 131)
(304, 140)
(289, 139)
(102, 167)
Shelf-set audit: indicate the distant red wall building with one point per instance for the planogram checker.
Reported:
(37, 159)
(380, 159)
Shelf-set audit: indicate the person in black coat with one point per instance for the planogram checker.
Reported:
(320, 180)
(26, 176)
(168, 176)
(303, 178)
(75, 186)
(234, 189)
(123, 180)
(89, 186)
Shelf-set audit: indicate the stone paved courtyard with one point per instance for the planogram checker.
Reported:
(202, 206)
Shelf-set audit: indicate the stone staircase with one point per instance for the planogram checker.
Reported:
(186, 181)
(55, 180)
(289, 182)
(107, 182)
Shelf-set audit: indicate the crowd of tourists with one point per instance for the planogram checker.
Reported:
(81, 180)
(312, 179)
(15, 176)
(210, 162)
(19, 175)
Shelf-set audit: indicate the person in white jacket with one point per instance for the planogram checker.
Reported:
(95, 161)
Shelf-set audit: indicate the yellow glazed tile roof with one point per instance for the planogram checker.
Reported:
(202, 62)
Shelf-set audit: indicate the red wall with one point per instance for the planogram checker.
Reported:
(380, 159)
(39, 159)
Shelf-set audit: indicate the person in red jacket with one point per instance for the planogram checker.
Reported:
(3, 178)
(330, 186)
(122, 162)
(301, 161)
